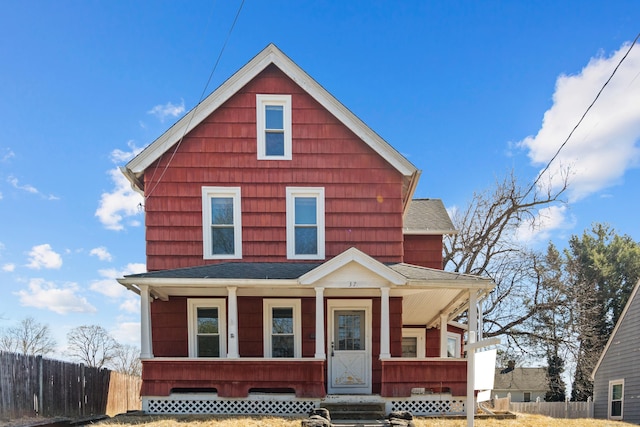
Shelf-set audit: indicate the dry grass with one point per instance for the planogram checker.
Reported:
(523, 420)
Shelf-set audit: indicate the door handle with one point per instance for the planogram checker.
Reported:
(332, 348)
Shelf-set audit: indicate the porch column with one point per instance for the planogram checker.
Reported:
(146, 346)
(232, 327)
(320, 353)
(471, 351)
(444, 339)
(384, 323)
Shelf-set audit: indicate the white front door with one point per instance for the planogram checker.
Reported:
(349, 346)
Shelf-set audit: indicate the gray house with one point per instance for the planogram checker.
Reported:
(523, 384)
(616, 388)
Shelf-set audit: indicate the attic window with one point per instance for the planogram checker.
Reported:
(273, 123)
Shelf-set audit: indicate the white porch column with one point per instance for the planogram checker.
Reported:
(320, 353)
(471, 339)
(384, 324)
(146, 346)
(444, 339)
(232, 326)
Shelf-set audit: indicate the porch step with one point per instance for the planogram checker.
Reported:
(355, 411)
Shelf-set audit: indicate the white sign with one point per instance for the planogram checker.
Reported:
(485, 369)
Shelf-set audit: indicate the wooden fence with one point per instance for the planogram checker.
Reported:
(564, 409)
(34, 386)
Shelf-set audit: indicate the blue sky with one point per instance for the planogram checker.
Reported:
(466, 90)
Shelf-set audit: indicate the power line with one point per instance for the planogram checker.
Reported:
(546, 168)
(193, 112)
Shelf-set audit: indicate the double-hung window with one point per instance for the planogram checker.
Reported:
(221, 223)
(413, 342)
(305, 223)
(273, 121)
(283, 330)
(453, 345)
(616, 399)
(207, 327)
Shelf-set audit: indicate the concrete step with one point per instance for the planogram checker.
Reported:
(355, 411)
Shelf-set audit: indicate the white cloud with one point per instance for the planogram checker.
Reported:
(604, 146)
(102, 253)
(8, 154)
(130, 305)
(29, 188)
(9, 267)
(118, 156)
(109, 287)
(122, 202)
(540, 228)
(127, 333)
(167, 110)
(42, 256)
(61, 300)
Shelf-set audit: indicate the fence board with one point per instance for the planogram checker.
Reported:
(32, 386)
(565, 409)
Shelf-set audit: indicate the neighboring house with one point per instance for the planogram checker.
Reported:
(616, 386)
(288, 262)
(523, 384)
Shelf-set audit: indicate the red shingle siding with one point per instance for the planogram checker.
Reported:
(169, 327)
(363, 193)
(423, 250)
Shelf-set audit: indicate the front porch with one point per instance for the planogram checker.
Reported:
(304, 378)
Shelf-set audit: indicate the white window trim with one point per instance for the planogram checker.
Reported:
(458, 338)
(192, 323)
(207, 194)
(267, 312)
(292, 193)
(420, 335)
(609, 400)
(261, 102)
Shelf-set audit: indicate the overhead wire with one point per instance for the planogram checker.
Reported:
(548, 165)
(192, 113)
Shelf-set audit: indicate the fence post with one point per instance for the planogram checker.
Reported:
(40, 386)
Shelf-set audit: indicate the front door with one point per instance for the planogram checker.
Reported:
(349, 347)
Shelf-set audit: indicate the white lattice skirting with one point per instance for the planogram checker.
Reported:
(286, 405)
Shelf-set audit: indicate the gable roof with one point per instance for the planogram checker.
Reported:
(615, 329)
(270, 55)
(525, 379)
(427, 216)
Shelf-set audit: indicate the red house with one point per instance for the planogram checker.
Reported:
(287, 262)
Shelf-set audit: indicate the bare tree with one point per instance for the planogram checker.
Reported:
(127, 360)
(29, 337)
(91, 345)
(487, 244)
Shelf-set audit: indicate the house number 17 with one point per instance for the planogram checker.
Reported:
(353, 284)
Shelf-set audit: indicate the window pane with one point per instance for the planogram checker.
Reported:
(452, 347)
(274, 115)
(350, 332)
(208, 346)
(222, 210)
(274, 143)
(305, 210)
(222, 240)
(207, 320)
(282, 321)
(616, 408)
(282, 346)
(409, 347)
(616, 392)
(306, 240)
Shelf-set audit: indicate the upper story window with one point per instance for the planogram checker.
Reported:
(283, 330)
(273, 114)
(221, 223)
(305, 223)
(207, 327)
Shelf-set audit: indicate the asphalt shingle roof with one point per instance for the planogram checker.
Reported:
(427, 215)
